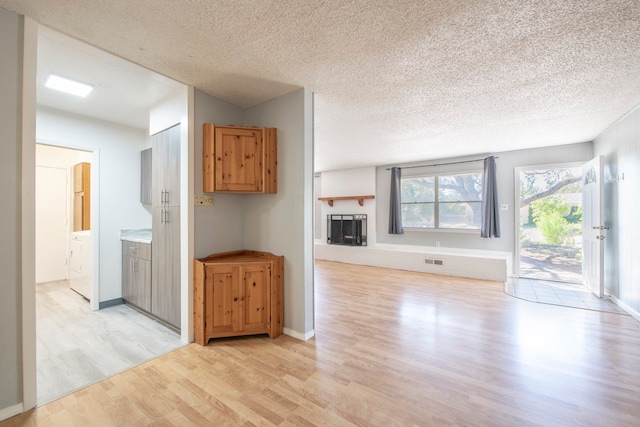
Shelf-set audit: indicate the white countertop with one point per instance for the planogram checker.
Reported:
(141, 235)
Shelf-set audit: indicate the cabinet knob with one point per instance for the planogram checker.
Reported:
(235, 299)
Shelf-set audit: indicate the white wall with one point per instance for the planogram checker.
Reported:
(349, 182)
(10, 214)
(116, 151)
(282, 223)
(173, 110)
(620, 146)
(506, 163)
(279, 223)
(218, 228)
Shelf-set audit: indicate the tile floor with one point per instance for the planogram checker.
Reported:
(558, 293)
(77, 346)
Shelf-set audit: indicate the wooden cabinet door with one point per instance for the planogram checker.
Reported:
(141, 283)
(78, 177)
(165, 168)
(136, 276)
(255, 297)
(127, 291)
(222, 296)
(78, 203)
(238, 160)
(81, 197)
(165, 262)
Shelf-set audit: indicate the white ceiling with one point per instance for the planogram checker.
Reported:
(123, 92)
(395, 80)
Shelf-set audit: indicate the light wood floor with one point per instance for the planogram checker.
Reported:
(392, 349)
(77, 347)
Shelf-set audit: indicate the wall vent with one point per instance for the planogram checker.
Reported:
(432, 261)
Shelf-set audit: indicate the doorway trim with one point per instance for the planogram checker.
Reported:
(516, 210)
(95, 213)
(28, 213)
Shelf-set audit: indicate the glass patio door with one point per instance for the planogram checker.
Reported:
(550, 223)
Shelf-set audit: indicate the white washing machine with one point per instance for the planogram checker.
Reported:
(81, 263)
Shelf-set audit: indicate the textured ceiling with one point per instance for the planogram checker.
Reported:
(395, 80)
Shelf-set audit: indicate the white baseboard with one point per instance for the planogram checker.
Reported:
(626, 308)
(11, 411)
(295, 334)
(473, 263)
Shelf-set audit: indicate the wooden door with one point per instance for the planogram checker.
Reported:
(222, 296)
(255, 297)
(238, 160)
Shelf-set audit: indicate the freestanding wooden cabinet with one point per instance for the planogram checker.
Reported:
(238, 293)
(82, 197)
(239, 159)
(165, 262)
(136, 274)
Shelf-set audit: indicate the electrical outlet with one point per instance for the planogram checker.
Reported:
(203, 200)
(438, 244)
(504, 207)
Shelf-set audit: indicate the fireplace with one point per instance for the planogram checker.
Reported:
(350, 230)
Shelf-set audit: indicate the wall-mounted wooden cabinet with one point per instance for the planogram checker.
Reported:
(238, 293)
(239, 159)
(82, 197)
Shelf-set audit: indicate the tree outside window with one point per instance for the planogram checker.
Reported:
(442, 201)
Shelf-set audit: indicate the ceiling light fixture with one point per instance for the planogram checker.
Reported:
(68, 86)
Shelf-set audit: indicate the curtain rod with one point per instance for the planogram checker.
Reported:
(443, 164)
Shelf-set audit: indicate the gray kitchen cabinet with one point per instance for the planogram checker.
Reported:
(165, 259)
(136, 274)
(165, 295)
(146, 167)
(166, 167)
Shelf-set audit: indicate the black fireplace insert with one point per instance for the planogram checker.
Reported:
(350, 230)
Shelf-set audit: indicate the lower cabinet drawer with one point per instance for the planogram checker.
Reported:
(136, 249)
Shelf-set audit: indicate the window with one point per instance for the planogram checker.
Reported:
(442, 201)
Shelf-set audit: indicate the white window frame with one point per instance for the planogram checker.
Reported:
(436, 202)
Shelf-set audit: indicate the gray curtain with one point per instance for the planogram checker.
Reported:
(395, 209)
(490, 204)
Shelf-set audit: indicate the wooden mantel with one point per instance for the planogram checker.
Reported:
(360, 199)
